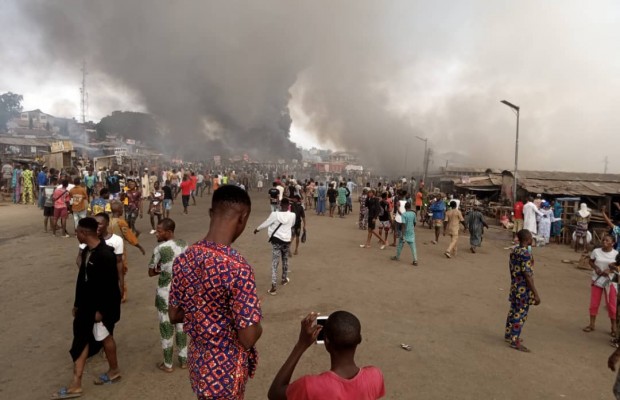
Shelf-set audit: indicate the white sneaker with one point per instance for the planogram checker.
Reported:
(152, 232)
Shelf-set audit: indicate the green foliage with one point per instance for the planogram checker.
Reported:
(129, 125)
(10, 106)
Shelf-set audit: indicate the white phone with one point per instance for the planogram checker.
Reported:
(320, 320)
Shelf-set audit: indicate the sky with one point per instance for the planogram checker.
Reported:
(364, 76)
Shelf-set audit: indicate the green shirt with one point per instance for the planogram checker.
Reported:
(409, 219)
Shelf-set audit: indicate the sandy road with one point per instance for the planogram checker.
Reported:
(451, 311)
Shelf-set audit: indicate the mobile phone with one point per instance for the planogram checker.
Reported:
(320, 320)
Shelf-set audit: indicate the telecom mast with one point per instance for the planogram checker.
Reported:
(84, 93)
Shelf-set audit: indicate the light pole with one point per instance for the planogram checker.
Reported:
(425, 140)
(514, 186)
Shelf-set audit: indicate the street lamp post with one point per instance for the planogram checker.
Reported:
(514, 186)
(425, 140)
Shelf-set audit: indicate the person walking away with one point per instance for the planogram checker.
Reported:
(419, 196)
(134, 205)
(523, 292)
(155, 206)
(160, 265)
(475, 224)
(517, 219)
(114, 185)
(61, 198)
(300, 218)
(438, 208)
(331, 196)
(363, 219)
(48, 204)
(27, 186)
(90, 180)
(42, 182)
(350, 187)
(409, 219)
(168, 199)
(342, 199)
(194, 180)
(601, 261)
(274, 197)
(213, 292)
(200, 183)
(452, 223)
(96, 310)
(345, 380)
(120, 227)
(321, 194)
(279, 226)
(399, 210)
(186, 190)
(374, 212)
(385, 219)
(79, 202)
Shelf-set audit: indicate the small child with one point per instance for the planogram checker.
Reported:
(408, 234)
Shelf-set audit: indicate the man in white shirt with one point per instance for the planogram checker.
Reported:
(530, 211)
(279, 226)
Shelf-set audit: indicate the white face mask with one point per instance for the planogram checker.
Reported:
(529, 249)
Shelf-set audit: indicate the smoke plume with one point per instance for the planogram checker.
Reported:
(367, 76)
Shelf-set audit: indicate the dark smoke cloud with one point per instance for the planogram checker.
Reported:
(367, 75)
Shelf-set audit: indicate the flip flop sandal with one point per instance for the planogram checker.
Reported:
(588, 329)
(63, 393)
(405, 347)
(520, 347)
(163, 367)
(104, 379)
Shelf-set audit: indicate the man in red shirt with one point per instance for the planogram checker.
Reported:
(345, 380)
(186, 191)
(517, 219)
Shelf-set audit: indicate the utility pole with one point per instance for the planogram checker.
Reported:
(427, 160)
(606, 163)
(83, 93)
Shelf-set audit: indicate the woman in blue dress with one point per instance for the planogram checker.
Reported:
(556, 227)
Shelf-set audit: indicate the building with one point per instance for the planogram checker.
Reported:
(28, 147)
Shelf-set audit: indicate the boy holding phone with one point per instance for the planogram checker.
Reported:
(345, 380)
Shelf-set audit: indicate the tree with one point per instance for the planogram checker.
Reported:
(10, 107)
(129, 125)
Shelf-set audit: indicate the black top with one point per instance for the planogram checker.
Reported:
(274, 195)
(114, 184)
(167, 192)
(386, 210)
(300, 213)
(373, 207)
(331, 195)
(97, 287)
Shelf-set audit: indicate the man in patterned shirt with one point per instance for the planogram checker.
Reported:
(214, 293)
(160, 265)
(523, 293)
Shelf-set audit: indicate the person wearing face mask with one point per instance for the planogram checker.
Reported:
(523, 292)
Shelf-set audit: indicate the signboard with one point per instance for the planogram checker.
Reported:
(61, 145)
(120, 151)
(217, 160)
(130, 141)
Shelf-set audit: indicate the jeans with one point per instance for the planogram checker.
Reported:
(77, 216)
(279, 250)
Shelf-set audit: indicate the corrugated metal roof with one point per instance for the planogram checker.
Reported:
(566, 176)
(21, 141)
(569, 187)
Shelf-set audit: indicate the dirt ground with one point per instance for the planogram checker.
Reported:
(452, 312)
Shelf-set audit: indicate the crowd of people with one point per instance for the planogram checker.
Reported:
(194, 279)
